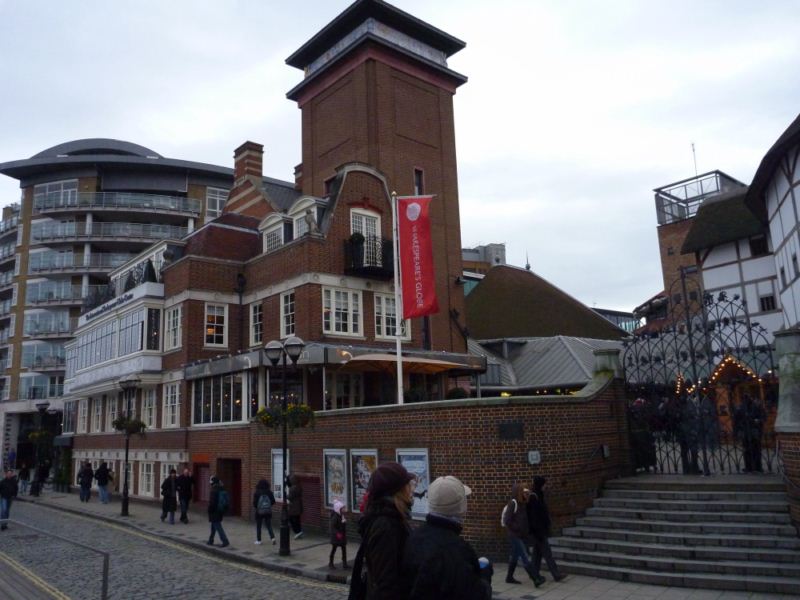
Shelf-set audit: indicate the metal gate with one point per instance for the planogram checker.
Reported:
(702, 388)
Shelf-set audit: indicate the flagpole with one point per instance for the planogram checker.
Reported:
(398, 299)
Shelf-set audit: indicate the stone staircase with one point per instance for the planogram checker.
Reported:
(726, 533)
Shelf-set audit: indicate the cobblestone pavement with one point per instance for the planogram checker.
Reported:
(142, 566)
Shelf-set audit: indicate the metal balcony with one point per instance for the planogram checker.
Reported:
(59, 263)
(45, 362)
(58, 294)
(9, 225)
(681, 200)
(371, 257)
(59, 202)
(97, 231)
(5, 308)
(50, 328)
(38, 392)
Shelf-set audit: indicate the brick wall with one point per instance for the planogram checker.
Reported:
(790, 450)
(670, 241)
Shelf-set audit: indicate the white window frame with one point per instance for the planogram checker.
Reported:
(171, 411)
(272, 238)
(256, 326)
(149, 407)
(83, 415)
(355, 320)
(362, 215)
(173, 328)
(144, 469)
(287, 330)
(97, 414)
(380, 319)
(215, 194)
(299, 226)
(112, 402)
(224, 343)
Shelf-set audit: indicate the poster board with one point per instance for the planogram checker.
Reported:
(362, 464)
(277, 471)
(415, 460)
(334, 463)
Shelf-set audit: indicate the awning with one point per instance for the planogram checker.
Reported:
(387, 363)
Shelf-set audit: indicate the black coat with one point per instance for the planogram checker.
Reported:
(538, 515)
(185, 484)
(441, 565)
(102, 475)
(214, 514)
(384, 532)
(85, 477)
(169, 490)
(516, 519)
(295, 499)
(24, 474)
(8, 488)
(338, 530)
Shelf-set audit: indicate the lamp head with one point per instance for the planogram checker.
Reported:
(273, 351)
(294, 347)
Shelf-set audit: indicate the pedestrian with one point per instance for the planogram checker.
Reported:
(749, 426)
(185, 485)
(103, 477)
(263, 501)
(24, 479)
(217, 505)
(295, 499)
(384, 530)
(539, 524)
(85, 477)
(169, 492)
(8, 491)
(515, 519)
(338, 530)
(439, 563)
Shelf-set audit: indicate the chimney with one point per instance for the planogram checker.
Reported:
(248, 159)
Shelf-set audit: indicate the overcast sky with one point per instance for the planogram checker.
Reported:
(573, 111)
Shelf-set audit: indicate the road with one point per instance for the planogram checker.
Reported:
(142, 566)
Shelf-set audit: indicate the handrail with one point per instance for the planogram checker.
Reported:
(59, 201)
(106, 556)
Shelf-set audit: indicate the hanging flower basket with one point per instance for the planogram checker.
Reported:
(129, 426)
(297, 416)
(39, 436)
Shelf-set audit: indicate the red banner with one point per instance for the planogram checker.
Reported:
(416, 256)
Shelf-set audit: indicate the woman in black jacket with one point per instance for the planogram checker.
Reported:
(263, 501)
(539, 526)
(515, 519)
(384, 531)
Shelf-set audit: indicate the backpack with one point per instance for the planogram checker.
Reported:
(264, 507)
(223, 501)
(504, 516)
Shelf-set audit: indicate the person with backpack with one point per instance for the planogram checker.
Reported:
(515, 519)
(263, 501)
(539, 527)
(169, 491)
(185, 485)
(384, 530)
(295, 499)
(85, 477)
(218, 504)
(338, 529)
(103, 476)
(439, 563)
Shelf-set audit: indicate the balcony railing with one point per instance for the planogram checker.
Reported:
(4, 393)
(45, 327)
(37, 392)
(58, 231)
(69, 262)
(5, 335)
(6, 278)
(43, 361)
(8, 224)
(5, 307)
(89, 200)
(59, 294)
(7, 251)
(370, 256)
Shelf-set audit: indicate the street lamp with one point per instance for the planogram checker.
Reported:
(42, 408)
(277, 351)
(128, 386)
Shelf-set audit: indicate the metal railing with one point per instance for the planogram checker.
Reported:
(68, 262)
(49, 326)
(88, 200)
(5, 307)
(43, 361)
(8, 224)
(6, 278)
(7, 251)
(59, 231)
(59, 293)
(38, 392)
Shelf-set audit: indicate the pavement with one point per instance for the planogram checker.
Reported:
(309, 555)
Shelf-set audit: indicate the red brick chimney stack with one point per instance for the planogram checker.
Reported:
(248, 159)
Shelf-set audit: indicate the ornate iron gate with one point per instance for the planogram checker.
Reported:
(703, 388)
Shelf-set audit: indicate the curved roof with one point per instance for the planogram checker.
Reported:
(719, 220)
(97, 146)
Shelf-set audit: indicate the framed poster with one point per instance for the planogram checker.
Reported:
(277, 472)
(335, 471)
(362, 464)
(415, 460)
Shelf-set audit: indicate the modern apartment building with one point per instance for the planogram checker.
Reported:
(86, 207)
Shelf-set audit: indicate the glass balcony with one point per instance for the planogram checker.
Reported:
(5, 334)
(5, 307)
(8, 225)
(4, 392)
(41, 362)
(55, 293)
(7, 251)
(56, 262)
(65, 231)
(37, 392)
(45, 325)
(116, 200)
(6, 278)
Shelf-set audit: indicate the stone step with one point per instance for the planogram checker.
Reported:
(721, 529)
(697, 483)
(684, 538)
(677, 565)
(700, 496)
(781, 585)
(692, 505)
(689, 516)
(718, 553)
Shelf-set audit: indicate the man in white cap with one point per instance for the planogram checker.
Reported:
(439, 563)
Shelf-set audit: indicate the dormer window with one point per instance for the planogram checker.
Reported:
(275, 232)
(306, 214)
(273, 238)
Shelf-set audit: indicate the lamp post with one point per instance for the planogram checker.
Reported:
(127, 386)
(277, 351)
(42, 408)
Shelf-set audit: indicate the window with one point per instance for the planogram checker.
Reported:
(341, 312)
(153, 329)
(215, 324)
(166, 468)
(220, 399)
(287, 314)
(767, 303)
(56, 194)
(215, 200)
(173, 328)
(364, 222)
(386, 318)
(273, 238)
(83, 415)
(111, 412)
(256, 323)
(97, 415)
(300, 227)
(784, 283)
(172, 401)
(70, 410)
(419, 182)
(128, 400)
(145, 479)
(758, 245)
(344, 390)
(92, 348)
(131, 332)
(149, 408)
